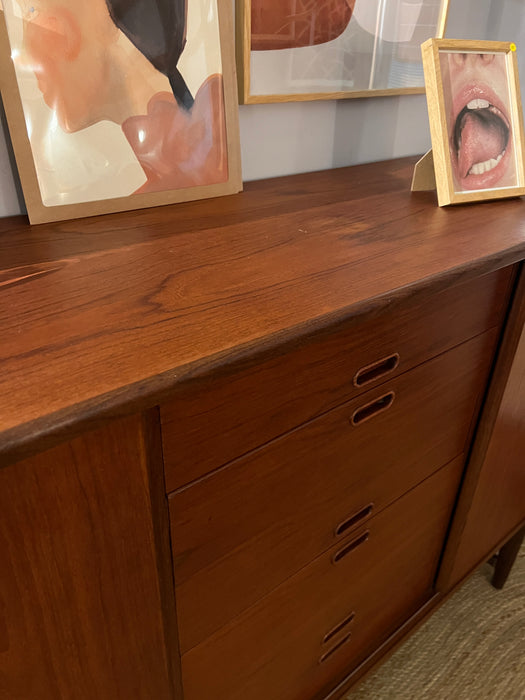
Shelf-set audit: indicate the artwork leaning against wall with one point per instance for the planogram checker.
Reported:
(119, 104)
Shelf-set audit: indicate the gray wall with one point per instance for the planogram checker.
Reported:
(297, 137)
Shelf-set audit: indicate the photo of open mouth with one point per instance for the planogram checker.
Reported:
(481, 142)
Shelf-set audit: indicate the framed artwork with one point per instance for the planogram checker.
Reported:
(291, 50)
(119, 104)
(476, 120)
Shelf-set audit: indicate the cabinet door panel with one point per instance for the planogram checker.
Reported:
(492, 502)
(82, 605)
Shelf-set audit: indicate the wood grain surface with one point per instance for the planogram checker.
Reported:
(491, 506)
(243, 530)
(308, 378)
(84, 609)
(106, 315)
(273, 649)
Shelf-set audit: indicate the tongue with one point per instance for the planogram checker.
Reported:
(479, 142)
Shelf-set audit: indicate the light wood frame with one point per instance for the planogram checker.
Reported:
(447, 191)
(40, 213)
(243, 53)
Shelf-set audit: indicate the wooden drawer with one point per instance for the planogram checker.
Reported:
(383, 573)
(241, 531)
(217, 418)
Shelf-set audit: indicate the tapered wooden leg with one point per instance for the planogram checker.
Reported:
(506, 558)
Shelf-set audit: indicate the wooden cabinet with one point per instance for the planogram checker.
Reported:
(234, 434)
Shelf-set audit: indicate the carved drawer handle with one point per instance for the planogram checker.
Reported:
(374, 408)
(354, 544)
(341, 625)
(377, 369)
(353, 519)
(339, 644)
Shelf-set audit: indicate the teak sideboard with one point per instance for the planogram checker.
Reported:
(248, 444)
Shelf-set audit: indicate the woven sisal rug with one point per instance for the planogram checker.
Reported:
(473, 648)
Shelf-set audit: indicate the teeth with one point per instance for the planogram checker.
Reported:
(480, 168)
(478, 104)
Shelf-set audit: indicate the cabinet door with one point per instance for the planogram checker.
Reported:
(83, 594)
(492, 502)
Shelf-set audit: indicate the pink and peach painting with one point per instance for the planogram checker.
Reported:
(326, 49)
(120, 97)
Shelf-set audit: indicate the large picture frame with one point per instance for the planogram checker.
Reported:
(476, 119)
(115, 105)
(297, 50)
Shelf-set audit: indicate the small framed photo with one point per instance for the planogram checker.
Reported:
(476, 120)
(115, 105)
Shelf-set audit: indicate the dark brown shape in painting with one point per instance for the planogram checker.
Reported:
(289, 24)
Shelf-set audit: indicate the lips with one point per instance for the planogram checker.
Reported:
(481, 139)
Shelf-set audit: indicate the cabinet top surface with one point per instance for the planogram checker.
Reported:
(103, 314)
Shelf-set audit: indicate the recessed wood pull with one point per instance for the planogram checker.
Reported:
(353, 519)
(377, 369)
(374, 408)
(339, 644)
(341, 625)
(354, 544)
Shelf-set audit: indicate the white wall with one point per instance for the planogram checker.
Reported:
(506, 22)
(302, 136)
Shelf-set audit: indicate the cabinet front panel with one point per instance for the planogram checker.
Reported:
(216, 419)
(492, 502)
(328, 617)
(81, 601)
(240, 532)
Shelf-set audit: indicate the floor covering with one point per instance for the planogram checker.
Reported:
(472, 648)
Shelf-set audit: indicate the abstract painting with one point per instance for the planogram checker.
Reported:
(124, 103)
(325, 49)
